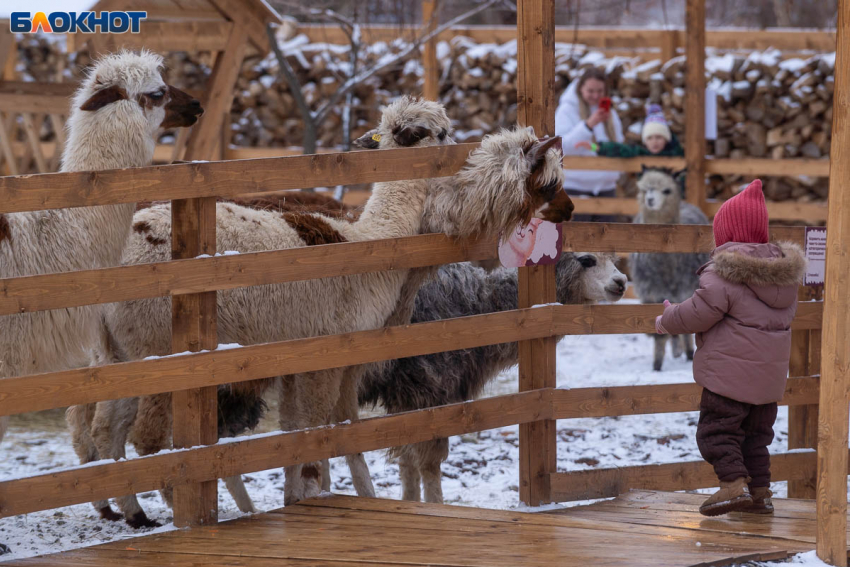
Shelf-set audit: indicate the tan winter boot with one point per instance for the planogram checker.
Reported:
(732, 496)
(761, 501)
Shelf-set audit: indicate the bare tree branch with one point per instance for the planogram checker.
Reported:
(310, 122)
(323, 111)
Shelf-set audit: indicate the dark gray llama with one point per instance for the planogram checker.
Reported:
(657, 277)
(461, 290)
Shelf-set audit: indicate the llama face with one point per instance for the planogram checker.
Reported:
(657, 190)
(129, 87)
(545, 193)
(601, 278)
(408, 123)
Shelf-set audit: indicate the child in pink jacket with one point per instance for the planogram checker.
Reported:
(741, 315)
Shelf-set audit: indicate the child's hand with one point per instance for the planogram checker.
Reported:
(666, 304)
(658, 328)
(585, 145)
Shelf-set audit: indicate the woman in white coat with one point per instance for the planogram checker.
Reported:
(580, 119)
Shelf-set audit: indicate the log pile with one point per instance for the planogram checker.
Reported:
(767, 107)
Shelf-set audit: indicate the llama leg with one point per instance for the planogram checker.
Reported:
(4, 425)
(677, 345)
(660, 344)
(409, 473)
(110, 429)
(430, 455)
(347, 408)
(307, 400)
(237, 490)
(79, 420)
(689, 346)
(151, 432)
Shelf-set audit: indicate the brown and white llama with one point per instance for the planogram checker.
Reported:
(510, 178)
(115, 116)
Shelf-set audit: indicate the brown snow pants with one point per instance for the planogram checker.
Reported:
(733, 437)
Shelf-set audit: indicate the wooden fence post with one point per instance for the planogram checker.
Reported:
(669, 45)
(803, 420)
(536, 100)
(695, 102)
(835, 359)
(431, 88)
(193, 316)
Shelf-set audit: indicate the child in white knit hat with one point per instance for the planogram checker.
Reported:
(657, 139)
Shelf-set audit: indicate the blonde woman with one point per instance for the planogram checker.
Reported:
(581, 118)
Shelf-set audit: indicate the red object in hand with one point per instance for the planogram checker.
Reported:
(605, 104)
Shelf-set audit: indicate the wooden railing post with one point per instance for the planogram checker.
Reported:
(695, 102)
(803, 420)
(669, 45)
(833, 412)
(536, 99)
(194, 316)
(431, 88)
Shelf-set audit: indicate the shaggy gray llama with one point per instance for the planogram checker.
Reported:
(657, 277)
(461, 290)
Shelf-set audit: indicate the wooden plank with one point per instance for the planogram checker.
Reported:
(536, 285)
(37, 103)
(695, 145)
(73, 289)
(802, 420)
(193, 328)
(669, 44)
(228, 178)
(748, 166)
(6, 147)
(8, 51)
(165, 36)
(206, 133)
(430, 19)
(656, 398)
(835, 366)
(34, 140)
(252, 17)
(82, 484)
(605, 483)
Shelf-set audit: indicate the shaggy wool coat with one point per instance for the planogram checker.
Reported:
(742, 315)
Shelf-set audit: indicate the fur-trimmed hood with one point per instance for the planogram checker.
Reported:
(772, 271)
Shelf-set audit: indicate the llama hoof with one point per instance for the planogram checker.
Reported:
(109, 514)
(656, 366)
(140, 520)
(4, 549)
(690, 356)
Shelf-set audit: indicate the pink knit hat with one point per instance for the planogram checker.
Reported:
(743, 218)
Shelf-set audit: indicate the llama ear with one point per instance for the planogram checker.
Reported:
(409, 135)
(537, 154)
(103, 97)
(368, 141)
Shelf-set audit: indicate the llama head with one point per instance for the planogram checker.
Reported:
(510, 178)
(409, 122)
(583, 277)
(129, 87)
(658, 194)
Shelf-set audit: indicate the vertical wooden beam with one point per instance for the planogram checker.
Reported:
(669, 45)
(207, 132)
(431, 88)
(536, 100)
(193, 328)
(835, 359)
(695, 102)
(34, 140)
(6, 146)
(8, 54)
(803, 420)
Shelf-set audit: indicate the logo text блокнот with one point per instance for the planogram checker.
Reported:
(72, 22)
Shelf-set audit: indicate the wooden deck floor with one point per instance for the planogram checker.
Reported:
(639, 528)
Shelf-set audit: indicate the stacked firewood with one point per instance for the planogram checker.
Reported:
(767, 107)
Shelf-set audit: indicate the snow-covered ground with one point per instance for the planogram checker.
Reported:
(481, 471)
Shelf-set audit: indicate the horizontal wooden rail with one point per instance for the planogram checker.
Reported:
(607, 483)
(605, 38)
(165, 36)
(108, 285)
(83, 484)
(226, 178)
(656, 398)
(746, 166)
(85, 385)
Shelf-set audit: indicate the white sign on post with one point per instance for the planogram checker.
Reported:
(816, 255)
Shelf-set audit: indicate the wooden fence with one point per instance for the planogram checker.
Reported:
(190, 469)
